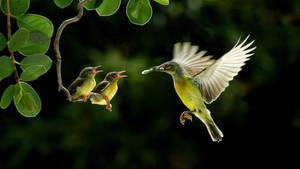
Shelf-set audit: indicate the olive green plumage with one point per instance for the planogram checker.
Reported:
(106, 89)
(82, 86)
(199, 79)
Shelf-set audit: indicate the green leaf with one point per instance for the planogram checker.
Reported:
(29, 104)
(2, 42)
(38, 43)
(18, 40)
(32, 73)
(17, 7)
(7, 96)
(139, 12)
(37, 59)
(6, 67)
(63, 3)
(93, 4)
(108, 7)
(36, 23)
(162, 2)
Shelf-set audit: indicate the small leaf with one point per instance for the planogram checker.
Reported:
(32, 73)
(93, 4)
(162, 2)
(7, 96)
(63, 3)
(17, 7)
(139, 12)
(37, 59)
(36, 23)
(18, 40)
(6, 67)
(2, 42)
(30, 103)
(108, 7)
(38, 43)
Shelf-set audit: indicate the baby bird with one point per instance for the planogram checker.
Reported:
(106, 89)
(199, 79)
(82, 86)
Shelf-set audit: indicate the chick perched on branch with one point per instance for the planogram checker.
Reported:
(82, 86)
(106, 89)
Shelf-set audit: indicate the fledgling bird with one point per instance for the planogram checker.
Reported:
(82, 86)
(198, 78)
(106, 89)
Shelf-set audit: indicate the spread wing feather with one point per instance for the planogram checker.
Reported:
(215, 78)
(187, 57)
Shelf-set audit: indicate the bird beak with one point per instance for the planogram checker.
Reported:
(120, 75)
(95, 70)
(153, 69)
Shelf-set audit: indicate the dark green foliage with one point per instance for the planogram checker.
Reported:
(32, 40)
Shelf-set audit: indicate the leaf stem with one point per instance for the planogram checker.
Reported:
(56, 46)
(12, 57)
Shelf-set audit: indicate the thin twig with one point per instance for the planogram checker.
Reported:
(56, 46)
(12, 57)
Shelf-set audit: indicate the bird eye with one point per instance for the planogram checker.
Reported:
(168, 66)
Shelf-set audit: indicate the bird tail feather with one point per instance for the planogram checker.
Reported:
(213, 130)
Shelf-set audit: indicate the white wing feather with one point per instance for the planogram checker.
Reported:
(187, 57)
(213, 81)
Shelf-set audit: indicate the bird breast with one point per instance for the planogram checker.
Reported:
(189, 93)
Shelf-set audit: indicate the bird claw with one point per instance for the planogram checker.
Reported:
(185, 115)
(109, 107)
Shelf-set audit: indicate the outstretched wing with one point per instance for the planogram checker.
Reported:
(101, 86)
(213, 81)
(188, 57)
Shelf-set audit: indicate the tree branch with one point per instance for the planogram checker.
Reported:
(12, 57)
(56, 46)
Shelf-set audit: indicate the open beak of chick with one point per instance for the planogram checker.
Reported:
(120, 75)
(96, 70)
(154, 69)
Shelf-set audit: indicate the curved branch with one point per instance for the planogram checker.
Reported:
(56, 46)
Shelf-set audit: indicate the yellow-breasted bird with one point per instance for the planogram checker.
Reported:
(106, 89)
(198, 78)
(82, 86)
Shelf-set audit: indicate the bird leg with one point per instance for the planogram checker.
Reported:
(85, 98)
(108, 105)
(185, 115)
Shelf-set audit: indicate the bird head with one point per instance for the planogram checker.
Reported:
(90, 71)
(169, 67)
(115, 76)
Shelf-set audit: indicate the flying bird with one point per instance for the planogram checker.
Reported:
(199, 79)
(106, 89)
(82, 86)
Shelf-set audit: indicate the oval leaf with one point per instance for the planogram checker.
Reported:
(36, 23)
(38, 43)
(18, 40)
(2, 42)
(108, 7)
(37, 59)
(93, 4)
(17, 7)
(139, 12)
(63, 3)
(32, 73)
(29, 104)
(6, 67)
(7, 96)
(162, 2)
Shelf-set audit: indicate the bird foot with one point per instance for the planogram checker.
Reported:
(185, 115)
(109, 107)
(85, 98)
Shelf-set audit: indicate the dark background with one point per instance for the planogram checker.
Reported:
(258, 113)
